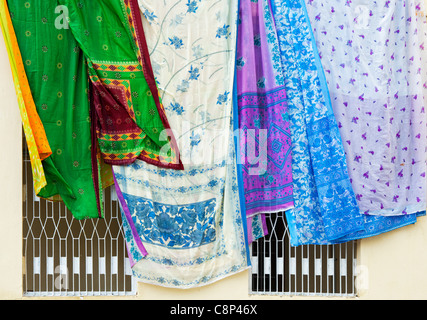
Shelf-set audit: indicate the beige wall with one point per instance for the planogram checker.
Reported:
(392, 266)
(10, 184)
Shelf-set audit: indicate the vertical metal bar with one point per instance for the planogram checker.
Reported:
(340, 271)
(328, 269)
(106, 258)
(76, 269)
(39, 240)
(355, 245)
(94, 258)
(26, 217)
(104, 268)
(321, 269)
(308, 270)
(304, 268)
(302, 264)
(289, 259)
(60, 250)
(86, 267)
(353, 261)
(347, 269)
(114, 262)
(118, 264)
(264, 276)
(254, 271)
(45, 256)
(111, 260)
(284, 236)
(79, 268)
(293, 261)
(89, 266)
(116, 243)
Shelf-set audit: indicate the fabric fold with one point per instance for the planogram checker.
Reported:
(374, 60)
(96, 95)
(35, 135)
(307, 224)
(325, 204)
(58, 80)
(265, 137)
(189, 221)
(130, 119)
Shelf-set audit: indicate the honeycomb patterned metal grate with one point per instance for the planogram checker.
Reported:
(63, 256)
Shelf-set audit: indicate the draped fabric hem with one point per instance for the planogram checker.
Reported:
(271, 209)
(262, 228)
(410, 221)
(409, 209)
(345, 228)
(241, 269)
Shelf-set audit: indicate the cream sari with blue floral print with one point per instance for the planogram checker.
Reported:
(190, 221)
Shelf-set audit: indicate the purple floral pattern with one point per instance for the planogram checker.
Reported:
(374, 57)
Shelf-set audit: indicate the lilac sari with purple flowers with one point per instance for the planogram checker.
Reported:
(373, 55)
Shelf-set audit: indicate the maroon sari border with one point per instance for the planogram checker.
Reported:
(94, 155)
(157, 163)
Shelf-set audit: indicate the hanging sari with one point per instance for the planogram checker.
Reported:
(189, 221)
(306, 221)
(111, 71)
(58, 78)
(374, 57)
(325, 205)
(35, 135)
(265, 142)
(129, 117)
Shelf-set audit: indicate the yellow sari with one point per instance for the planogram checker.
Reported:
(38, 146)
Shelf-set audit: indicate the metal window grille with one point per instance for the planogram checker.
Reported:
(310, 270)
(63, 256)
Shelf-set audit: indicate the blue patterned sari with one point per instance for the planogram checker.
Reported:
(325, 205)
(326, 209)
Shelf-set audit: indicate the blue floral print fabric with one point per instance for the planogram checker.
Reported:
(190, 221)
(325, 204)
(326, 209)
